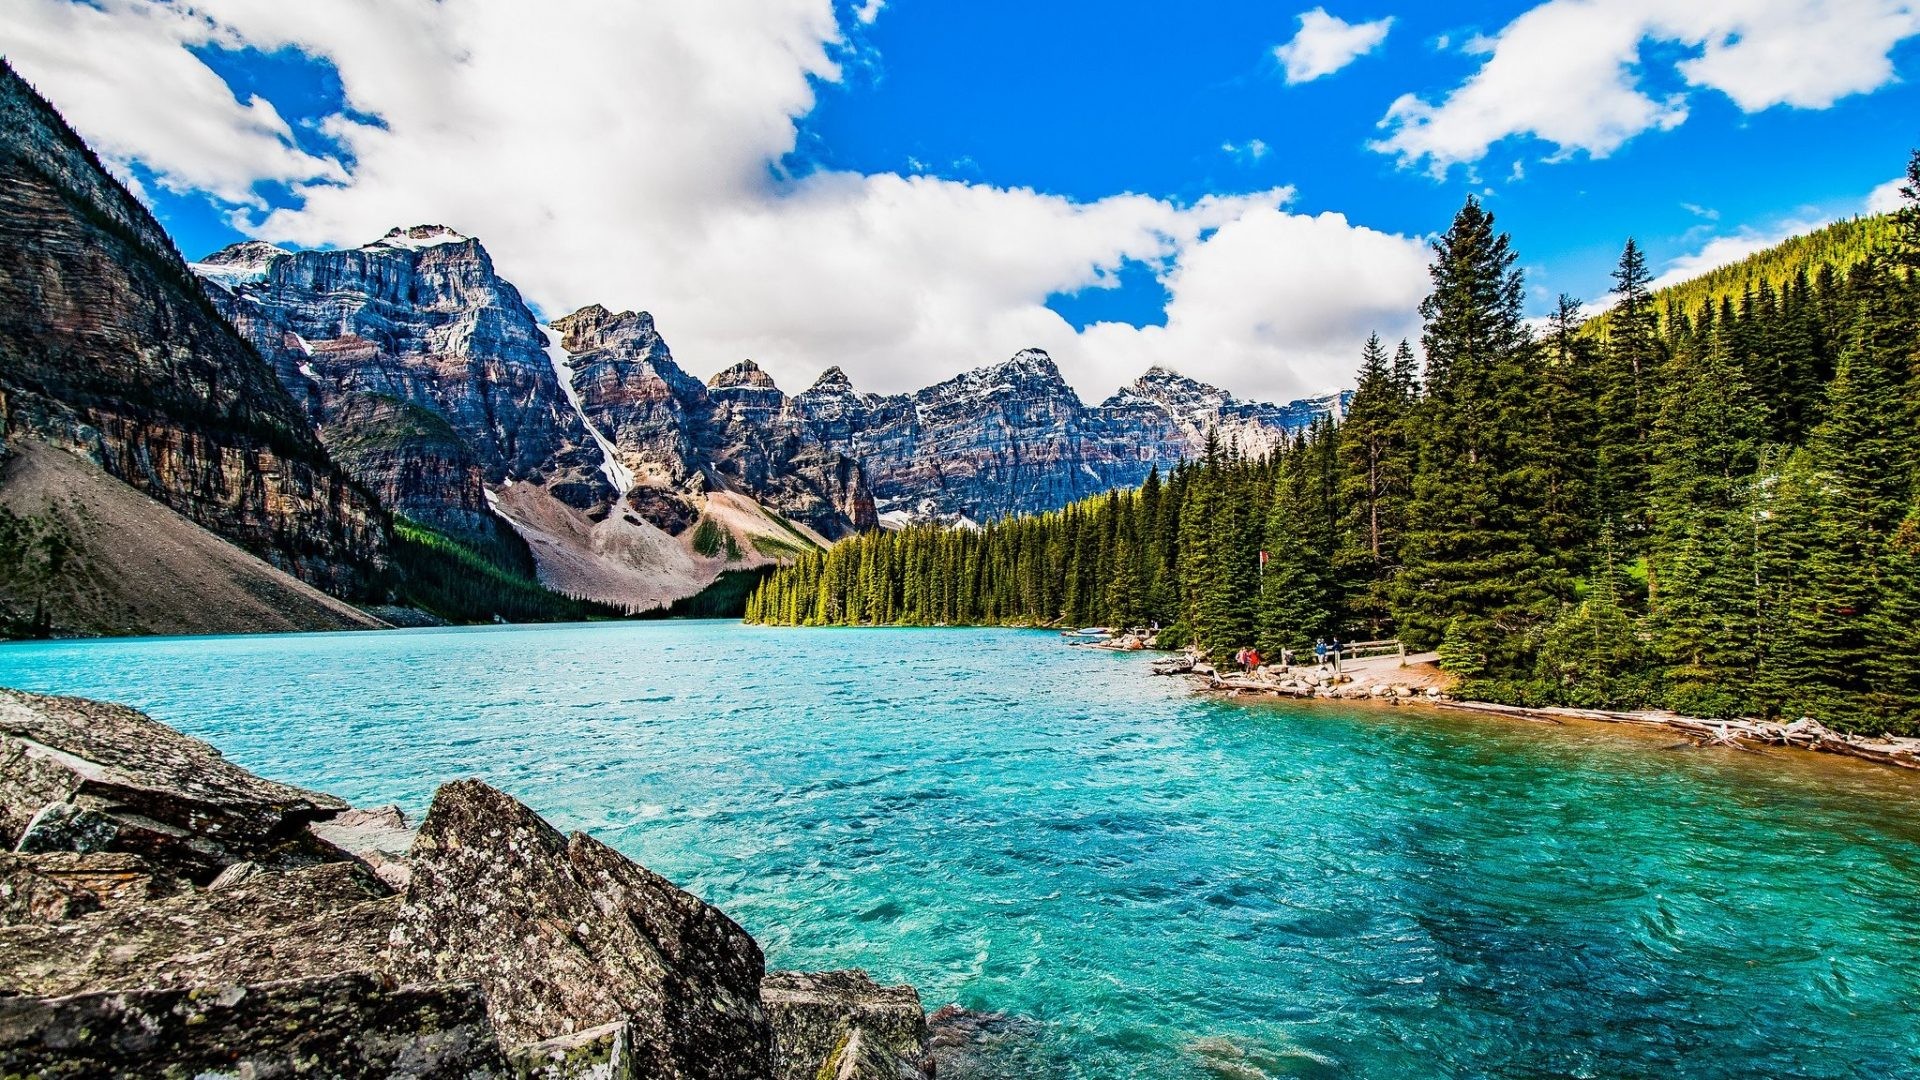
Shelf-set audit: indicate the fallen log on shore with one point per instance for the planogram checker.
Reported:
(1804, 734)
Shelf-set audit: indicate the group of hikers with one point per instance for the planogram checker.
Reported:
(1249, 658)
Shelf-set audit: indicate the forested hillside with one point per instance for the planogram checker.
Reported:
(1711, 509)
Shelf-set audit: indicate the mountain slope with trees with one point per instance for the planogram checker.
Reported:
(1711, 508)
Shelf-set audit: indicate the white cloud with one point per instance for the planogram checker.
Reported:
(1725, 250)
(868, 11)
(1887, 198)
(195, 136)
(1327, 43)
(628, 155)
(1570, 72)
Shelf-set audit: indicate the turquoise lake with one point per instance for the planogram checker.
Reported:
(1166, 886)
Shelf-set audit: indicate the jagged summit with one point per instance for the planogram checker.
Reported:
(1168, 389)
(832, 381)
(246, 251)
(237, 264)
(420, 236)
(746, 374)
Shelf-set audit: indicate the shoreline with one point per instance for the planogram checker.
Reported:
(1420, 684)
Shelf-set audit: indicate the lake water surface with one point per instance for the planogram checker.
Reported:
(1165, 886)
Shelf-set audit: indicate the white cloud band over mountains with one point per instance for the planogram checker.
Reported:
(629, 155)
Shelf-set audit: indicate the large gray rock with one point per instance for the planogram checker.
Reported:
(276, 924)
(80, 775)
(341, 1026)
(841, 1025)
(601, 1053)
(566, 934)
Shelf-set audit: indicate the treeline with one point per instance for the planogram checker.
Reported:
(468, 579)
(1711, 509)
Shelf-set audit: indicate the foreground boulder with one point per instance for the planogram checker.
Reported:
(274, 925)
(841, 1025)
(565, 934)
(351, 1025)
(84, 776)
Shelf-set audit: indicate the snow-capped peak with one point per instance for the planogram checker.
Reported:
(420, 236)
(238, 264)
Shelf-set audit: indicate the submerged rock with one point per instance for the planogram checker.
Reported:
(78, 775)
(845, 1026)
(350, 1025)
(566, 934)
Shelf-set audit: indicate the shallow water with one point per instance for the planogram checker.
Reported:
(1169, 887)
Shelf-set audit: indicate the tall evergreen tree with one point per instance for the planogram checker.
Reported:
(1475, 563)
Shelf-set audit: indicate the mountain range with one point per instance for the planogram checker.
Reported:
(435, 385)
(297, 424)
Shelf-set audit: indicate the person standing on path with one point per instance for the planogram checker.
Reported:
(1320, 652)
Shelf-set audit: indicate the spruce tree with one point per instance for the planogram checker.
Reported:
(1476, 567)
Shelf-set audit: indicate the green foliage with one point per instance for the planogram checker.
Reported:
(709, 536)
(36, 563)
(726, 598)
(1705, 499)
(467, 580)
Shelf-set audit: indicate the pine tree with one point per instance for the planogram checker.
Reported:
(1295, 603)
(1475, 564)
(1703, 546)
(1628, 374)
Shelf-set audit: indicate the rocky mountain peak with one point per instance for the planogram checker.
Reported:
(420, 236)
(237, 264)
(832, 381)
(594, 327)
(1028, 374)
(746, 373)
(1170, 390)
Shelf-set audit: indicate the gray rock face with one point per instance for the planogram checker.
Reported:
(420, 319)
(276, 924)
(513, 950)
(737, 432)
(81, 775)
(108, 348)
(1014, 438)
(841, 1024)
(344, 1026)
(565, 934)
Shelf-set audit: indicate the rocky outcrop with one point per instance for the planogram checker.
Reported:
(108, 347)
(511, 950)
(78, 775)
(349, 1025)
(412, 460)
(564, 933)
(843, 1025)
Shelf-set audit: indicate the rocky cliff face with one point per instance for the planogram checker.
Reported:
(420, 321)
(737, 432)
(1014, 437)
(108, 348)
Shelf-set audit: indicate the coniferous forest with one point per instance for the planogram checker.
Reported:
(1703, 499)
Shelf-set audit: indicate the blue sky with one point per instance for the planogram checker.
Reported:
(1238, 189)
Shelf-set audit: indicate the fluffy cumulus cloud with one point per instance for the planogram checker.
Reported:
(194, 135)
(630, 155)
(1572, 72)
(1327, 43)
